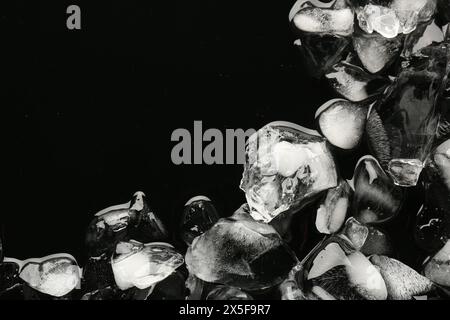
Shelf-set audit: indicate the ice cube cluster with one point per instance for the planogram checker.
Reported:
(306, 231)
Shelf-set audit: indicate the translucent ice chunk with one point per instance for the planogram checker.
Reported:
(376, 199)
(143, 265)
(133, 219)
(335, 271)
(406, 119)
(332, 212)
(286, 165)
(55, 275)
(199, 214)
(375, 51)
(342, 122)
(405, 172)
(243, 253)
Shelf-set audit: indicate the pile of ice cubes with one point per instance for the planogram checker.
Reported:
(306, 231)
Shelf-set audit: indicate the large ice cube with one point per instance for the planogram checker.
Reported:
(285, 166)
(243, 253)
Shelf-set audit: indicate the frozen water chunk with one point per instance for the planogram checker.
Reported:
(228, 293)
(376, 199)
(243, 253)
(332, 212)
(356, 232)
(334, 270)
(353, 83)
(143, 265)
(133, 219)
(54, 275)
(285, 166)
(367, 239)
(324, 31)
(342, 122)
(199, 215)
(381, 19)
(406, 118)
(437, 268)
(402, 282)
(396, 17)
(375, 51)
(325, 21)
(405, 172)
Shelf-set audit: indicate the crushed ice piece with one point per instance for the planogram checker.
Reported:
(199, 214)
(342, 122)
(376, 198)
(54, 275)
(285, 165)
(332, 212)
(143, 265)
(325, 21)
(243, 253)
(375, 51)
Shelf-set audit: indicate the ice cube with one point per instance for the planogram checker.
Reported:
(380, 19)
(242, 253)
(376, 198)
(143, 265)
(325, 21)
(302, 168)
(356, 232)
(54, 275)
(334, 270)
(332, 212)
(375, 51)
(342, 122)
(133, 219)
(199, 214)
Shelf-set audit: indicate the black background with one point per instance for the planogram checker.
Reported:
(93, 109)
